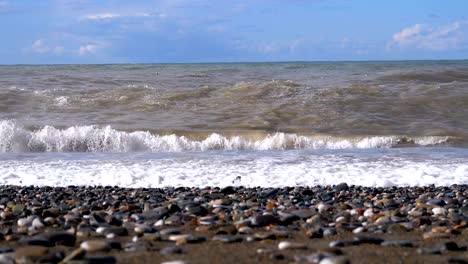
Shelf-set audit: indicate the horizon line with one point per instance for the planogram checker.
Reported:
(233, 62)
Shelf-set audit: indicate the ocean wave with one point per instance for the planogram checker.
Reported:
(433, 77)
(15, 138)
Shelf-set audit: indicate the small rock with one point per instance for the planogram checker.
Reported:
(60, 238)
(171, 250)
(335, 260)
(439, 211)
(342, 243)
(95, 245)
(99, 260)
(455, 260)
(438, 202)
(341, 187)
(435, 235)
(291, 245)
(399, 243)
(359, 240)
(429, 251)
(452, 246)
(263, 220)
(276, 256)
(37, 223)
(228, 238)
(175, 262)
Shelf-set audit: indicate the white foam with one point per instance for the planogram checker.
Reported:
(14, 138)
(250, 169)
(61, 101)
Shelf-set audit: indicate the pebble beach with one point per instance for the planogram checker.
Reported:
(321, 224)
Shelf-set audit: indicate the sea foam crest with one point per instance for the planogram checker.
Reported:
(15, 138)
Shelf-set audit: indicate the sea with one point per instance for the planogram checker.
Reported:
(378, 123)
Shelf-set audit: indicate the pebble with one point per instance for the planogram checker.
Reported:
(59, 238)
(228, 238)
(342, 187)
(399, 243)
(429, 251)
(438, 202)
(452, 246)
(291, 245)
(335, 260)
(51, 220)
(175, 262)
(435, 235)
(263, 220)
(170, 250)
(95, 246)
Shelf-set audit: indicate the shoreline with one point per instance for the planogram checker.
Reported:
(331, 224)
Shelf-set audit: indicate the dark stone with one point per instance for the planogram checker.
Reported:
(36, 241)
(263, 220)
(59, 238)
(173, 208)
(4, 250)
(268, 194)
(368, 240)
(112, 220)
(452, 246)
(429, 251)
(304, 213)
(196, 210)
(99, 260)
(277, 256)
(228, 190)
(341, 187)
(417, 222)
(95, 219)
(438, 202)
(170, 250)
(399, 243)
(118, 231)
(457, 260)
(156, 213)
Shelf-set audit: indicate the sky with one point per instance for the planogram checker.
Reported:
(174, 31)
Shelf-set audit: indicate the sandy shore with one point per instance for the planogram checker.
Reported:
(326, 224)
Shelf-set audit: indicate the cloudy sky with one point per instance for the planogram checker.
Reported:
(120, 31)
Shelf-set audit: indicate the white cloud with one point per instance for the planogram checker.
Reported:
(87, 49)
(102, 16)
(420, 36)
(111, 16)
(40, 46)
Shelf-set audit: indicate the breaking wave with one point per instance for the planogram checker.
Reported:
(16, 138)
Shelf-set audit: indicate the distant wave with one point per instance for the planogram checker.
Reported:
(15, 138)
(428, 76)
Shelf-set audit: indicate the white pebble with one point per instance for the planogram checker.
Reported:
(368, 213)
(439, 211)
(37, 223)
(290, 245)
(322, 207)
(359, 230)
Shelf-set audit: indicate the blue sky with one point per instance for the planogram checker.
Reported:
(117, 31)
